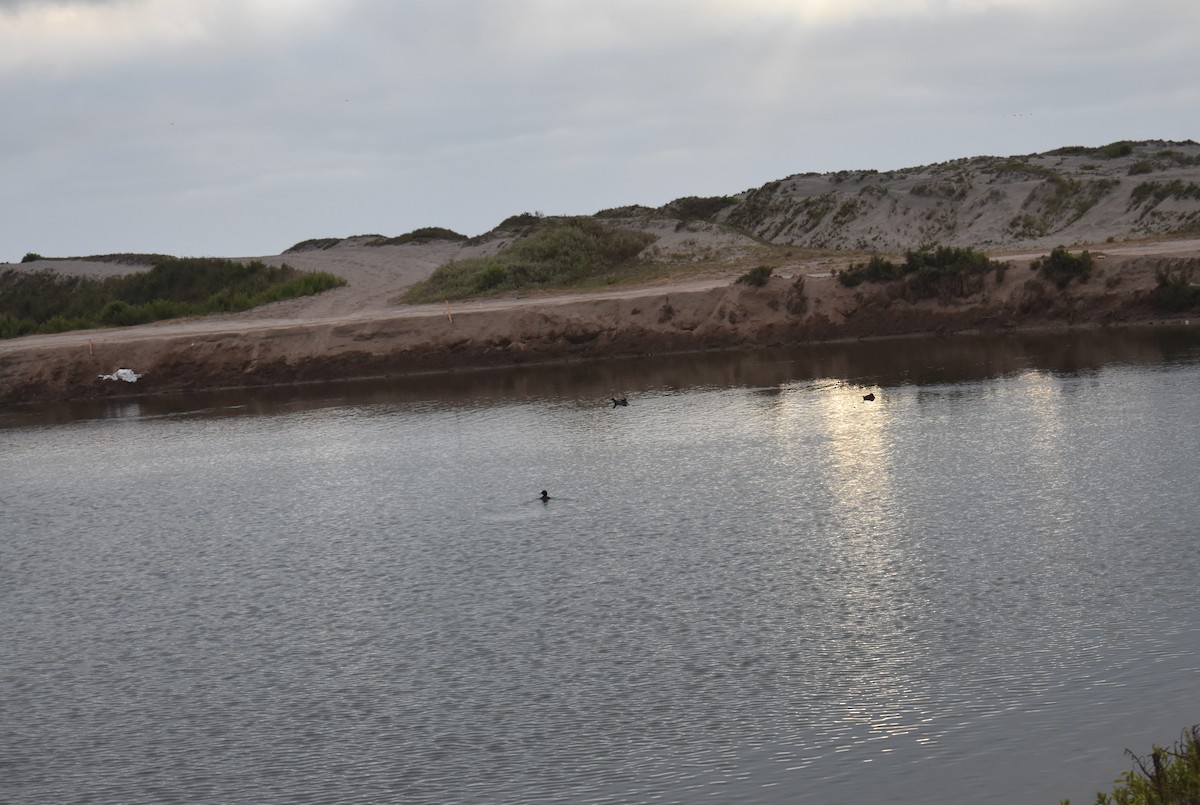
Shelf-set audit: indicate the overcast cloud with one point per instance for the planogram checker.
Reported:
(238, 127)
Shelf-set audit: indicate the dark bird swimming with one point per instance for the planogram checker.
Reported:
(621, 401)
(869, 397)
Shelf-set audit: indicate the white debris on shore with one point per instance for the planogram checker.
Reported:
(128, 375)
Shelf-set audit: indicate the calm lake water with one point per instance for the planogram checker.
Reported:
(750, 586)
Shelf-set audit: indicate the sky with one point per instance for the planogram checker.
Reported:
(236, 128)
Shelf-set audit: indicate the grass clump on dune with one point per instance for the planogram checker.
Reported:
(426, 234)
(558, 253)
(46, 302)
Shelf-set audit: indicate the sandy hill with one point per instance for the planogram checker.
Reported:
(1067, 196)
(1073, 195)
(1070, 196)
(1135, 205)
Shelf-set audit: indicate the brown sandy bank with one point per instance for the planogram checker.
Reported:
(802, 304)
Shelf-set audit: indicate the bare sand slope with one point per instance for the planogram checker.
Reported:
(1067, 196)
(362, 331)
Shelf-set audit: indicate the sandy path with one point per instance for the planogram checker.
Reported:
(377, 275)
(1163, 248)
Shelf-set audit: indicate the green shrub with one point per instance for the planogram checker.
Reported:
(45, 302)
(940, 190)
(1174, 291)
(558, 253)
(117, 314)
(1060, 266)
(313, 244)
(1121, 148)
(846, 212)
(698, 208)
(628, 211)
(1167, 776)
(524, 220)
(12, 327)
(944, 272)
(876, 269)
(927, 261)
(490, 278)
(1159, 192)
(31, 257)
(1059, 201)
(425, 234)
(1072, 151)
(756, 277)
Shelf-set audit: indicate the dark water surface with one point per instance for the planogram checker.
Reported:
(750, 586)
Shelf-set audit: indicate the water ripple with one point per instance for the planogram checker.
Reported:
(733, 597)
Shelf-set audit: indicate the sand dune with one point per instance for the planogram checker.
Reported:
(363, 329)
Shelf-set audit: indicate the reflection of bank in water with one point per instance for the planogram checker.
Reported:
(888, 363)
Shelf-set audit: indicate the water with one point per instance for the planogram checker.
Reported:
(750, 585)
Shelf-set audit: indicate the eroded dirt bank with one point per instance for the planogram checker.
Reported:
(204, 354)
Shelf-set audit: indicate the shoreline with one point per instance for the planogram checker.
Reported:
(257, 350)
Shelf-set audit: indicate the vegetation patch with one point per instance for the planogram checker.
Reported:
(1177, 157)
(1158, 192)
(520, 221)
(698, 208)
(757, 207)
(1167, 776)
(1060, 266)
(1190, 225)
(1115, 150)
(1174, 291)
(128, 258)
(121, 258)
(1121, 148)
(1072, 151)
(426, 234)
(628, 211)
(847, 212)
(314, 244)
(813, 210)
(756, 277)
(46, 302)
(1018, 168)
(1058, 202)
(944, 272)
(559, 253)
(940, 190)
